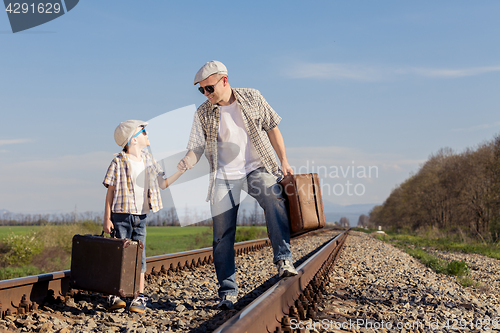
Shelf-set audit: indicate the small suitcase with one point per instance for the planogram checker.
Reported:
(304, 202)
(106, 265)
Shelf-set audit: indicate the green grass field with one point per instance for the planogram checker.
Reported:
(159, 240)
(491, 250)
(162, 240)
(56, 244)
(17, 230)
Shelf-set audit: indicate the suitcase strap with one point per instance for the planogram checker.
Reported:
(315, 190)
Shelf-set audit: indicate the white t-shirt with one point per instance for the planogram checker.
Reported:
(236, 155)
(138, 175)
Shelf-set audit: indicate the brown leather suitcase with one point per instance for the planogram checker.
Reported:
(304, 202)
(106, 265)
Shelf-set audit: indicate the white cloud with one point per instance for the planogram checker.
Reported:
(358, 72)
(476, 128)
(334, 155)
(451, 73)
(14, 141)
(336, 71)
(342, 170)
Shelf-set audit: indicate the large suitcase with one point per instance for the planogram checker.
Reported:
(304, 202)
(106, 265)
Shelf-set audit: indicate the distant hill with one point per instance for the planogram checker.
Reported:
(334, 212)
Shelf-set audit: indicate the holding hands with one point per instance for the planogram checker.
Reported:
(185, 164)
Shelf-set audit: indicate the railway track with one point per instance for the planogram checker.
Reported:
(25, 299)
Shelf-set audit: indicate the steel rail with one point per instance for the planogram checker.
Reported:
(18, 296)
(195, 258)
(23, 294)
(272, 310)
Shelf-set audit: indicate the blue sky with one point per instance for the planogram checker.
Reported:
(358, 84)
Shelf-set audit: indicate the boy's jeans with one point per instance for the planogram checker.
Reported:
(132, 227)
(263, 187)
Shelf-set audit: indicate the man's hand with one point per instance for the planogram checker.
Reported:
(107, 226)
(185, 164)
(286, 168)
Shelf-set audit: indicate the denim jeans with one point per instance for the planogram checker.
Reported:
(132, 227)
(263, 187)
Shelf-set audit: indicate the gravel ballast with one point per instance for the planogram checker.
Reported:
(376, 287)
(184, 301)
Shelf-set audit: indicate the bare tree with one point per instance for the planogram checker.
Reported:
(344, 222)
(363, 220)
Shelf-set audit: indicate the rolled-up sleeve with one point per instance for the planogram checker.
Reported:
(197, 137)
(270, 119)
(110, 177)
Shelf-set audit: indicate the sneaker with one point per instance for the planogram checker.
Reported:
(227, 302)
(286, 269)
(138, 304)
(115, 302)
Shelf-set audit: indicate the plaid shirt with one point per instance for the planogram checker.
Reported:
(258, 117)
(118, 175)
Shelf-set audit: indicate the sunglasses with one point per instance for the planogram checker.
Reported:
(136, 134)
(209, 89)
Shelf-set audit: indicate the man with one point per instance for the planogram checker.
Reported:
(238, 130)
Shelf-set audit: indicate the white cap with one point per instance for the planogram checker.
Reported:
(210, 68)
(125, 131)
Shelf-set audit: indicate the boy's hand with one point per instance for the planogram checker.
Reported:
(107, 226)
(184, 164)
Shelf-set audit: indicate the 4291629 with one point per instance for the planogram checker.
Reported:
(478, 324)
(41, 8)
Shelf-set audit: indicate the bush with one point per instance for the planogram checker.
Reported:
(47, 249)
(15, 272)
(466, 281)
(22, 248)
(457, 268)
(61, 236)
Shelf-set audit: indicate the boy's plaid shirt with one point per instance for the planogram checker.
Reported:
(258, 117)
(118, 175)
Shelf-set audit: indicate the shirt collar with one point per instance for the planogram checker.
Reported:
(216, 106)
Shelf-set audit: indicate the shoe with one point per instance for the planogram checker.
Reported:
(227, 302)
(286, 269)
(138, 305)
(115, 302)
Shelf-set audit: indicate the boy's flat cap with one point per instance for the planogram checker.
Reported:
(125, 130)
(210, 68)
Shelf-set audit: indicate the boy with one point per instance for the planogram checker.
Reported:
(133, 180)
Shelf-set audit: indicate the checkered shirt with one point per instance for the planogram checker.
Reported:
(118, 175)
(258, 117)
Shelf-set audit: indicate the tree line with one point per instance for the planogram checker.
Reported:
(452, 192)
(164, 217)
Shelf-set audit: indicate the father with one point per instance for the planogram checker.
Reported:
(238, 130)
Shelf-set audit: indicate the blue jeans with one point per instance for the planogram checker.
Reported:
(132, 227)
(263, 187)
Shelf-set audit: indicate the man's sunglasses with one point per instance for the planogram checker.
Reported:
(209, 89)
(136, 134)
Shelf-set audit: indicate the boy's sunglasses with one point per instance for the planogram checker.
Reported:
(209, 89)
(136, 134)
